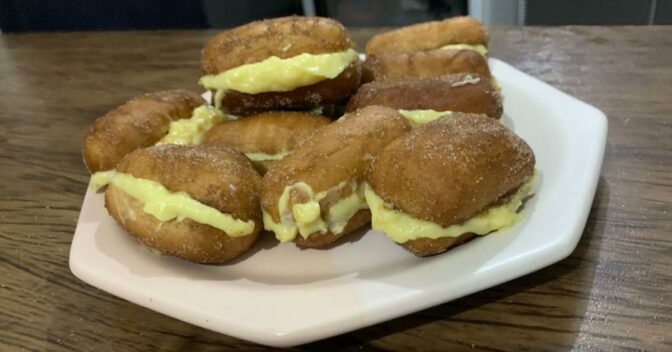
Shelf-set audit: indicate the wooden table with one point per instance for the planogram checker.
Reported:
(614, 292)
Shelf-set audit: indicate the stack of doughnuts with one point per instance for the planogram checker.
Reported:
(430, 49)
(429, 70)
(238, 65)
(419, 152)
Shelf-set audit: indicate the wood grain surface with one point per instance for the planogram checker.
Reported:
(613, 293)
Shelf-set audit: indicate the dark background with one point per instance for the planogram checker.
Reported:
(70, 15)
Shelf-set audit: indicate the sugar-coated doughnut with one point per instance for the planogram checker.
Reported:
(282, 40)
(315, 195)
(434, 180)
(219, 178)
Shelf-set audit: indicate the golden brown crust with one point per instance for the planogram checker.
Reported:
(217, 176)
(187, 239)
(302, 98)
(423, 64)
(339, 152)
(317, 241)
(424, 247)
(461, 92)
(271, 132)
(138, 123)
(466, 163)
(283, 37)
(428, 36)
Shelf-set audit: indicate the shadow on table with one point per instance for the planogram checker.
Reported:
(576, 264)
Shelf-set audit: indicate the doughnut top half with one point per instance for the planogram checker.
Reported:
(283, 37)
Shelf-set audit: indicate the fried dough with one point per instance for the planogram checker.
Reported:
(270, 133)
(303, 98)
(462, 92)
(284, 38)
(335, 154)
(424, 247)
(138, 123)
(217, 176)
(428, 36)
(423, 64)
(450, 170)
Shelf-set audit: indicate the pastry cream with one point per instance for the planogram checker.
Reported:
(479, 48)
(280, 75)
(166, 205)
(191, 131)
(306, 218)
(264, 156)
(402, 227)
(421, 117)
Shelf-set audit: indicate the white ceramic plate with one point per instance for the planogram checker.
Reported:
(281, 296)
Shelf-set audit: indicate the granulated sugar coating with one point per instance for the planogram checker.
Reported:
(217, 176)
(465, 92)
(451, 169)
(468, 79)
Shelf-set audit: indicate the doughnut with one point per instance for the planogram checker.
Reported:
(461, 92)
(314, 195)
(138, 123)
(286, 63)
(268, 137)
(423, 64)
(447, 181)
(451, 32)
(195, 202)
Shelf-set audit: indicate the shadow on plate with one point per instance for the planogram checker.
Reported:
(508, 122)
(525, 303)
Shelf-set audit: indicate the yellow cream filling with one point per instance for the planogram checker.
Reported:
(264, 156)
(191, 130)
(479, 48)
(421, 117)
(305, 218)
(280, 75)
(495, 84)
(166, 205)
(402, 227)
